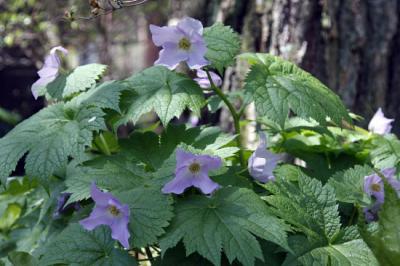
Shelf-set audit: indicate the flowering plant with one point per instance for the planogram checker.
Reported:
(317, 190)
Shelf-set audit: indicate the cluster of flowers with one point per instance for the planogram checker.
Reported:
(185, 42)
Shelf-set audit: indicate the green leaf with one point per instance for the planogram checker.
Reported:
(227, 221)
(151, 210)
(386, 151)
(106, 95)
(384, 238)
(166, 92)
(79, 79)
(223, 44)
(351, 253)
(278, 86)
(18, 258)
(348, 185)
(10, 216)
(50, 137)
(310, 207)
(76, 246)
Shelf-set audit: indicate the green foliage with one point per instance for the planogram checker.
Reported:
(223, 46)
(312, 210)
(50, 137)
(76, 246)
(349, 184)
(79, 79)
(22, 259)
(166, 92)
(386, 151)
(278, 86)
(224, 221)
(384, 238)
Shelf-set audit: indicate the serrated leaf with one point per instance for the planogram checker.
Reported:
(166, 92)
(50, 137)
(310, 207)
(351, 253)
(384, 239)
(77, 246)
(349, 184)
(386, 151)
(278, 86)
(79, 79)
(227, 222)
(106, 95)
(151, 211)
(223, 44)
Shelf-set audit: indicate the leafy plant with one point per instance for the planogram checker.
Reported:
(78, 168)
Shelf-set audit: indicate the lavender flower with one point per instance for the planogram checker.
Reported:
(192, 170)
(374, 187)
(379, 124)
(204, 82)
(262, 163)
(109, 211)
(183, 42)
(49, 71)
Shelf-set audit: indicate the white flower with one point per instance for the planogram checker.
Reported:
(380, 124)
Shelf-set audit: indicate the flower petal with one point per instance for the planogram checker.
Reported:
(190, 26)
(101, 198)
(39, 84)
(205, 184)
(203, 80)
(183, 179)
(379, 124)
(171, 57)
(99, 216)
(119, 229)
(208, 162)
(163, 35)
(196, 56)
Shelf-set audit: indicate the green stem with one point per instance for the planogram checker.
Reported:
(235, 116)
(105, 145)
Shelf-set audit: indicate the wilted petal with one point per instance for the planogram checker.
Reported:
(205, 184)
(262, 163)
(204, 82)
(379, 124)
(39, 84)
(190, 26)
(162, 35)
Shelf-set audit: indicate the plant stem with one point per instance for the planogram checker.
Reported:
(105, 145)
(235, 116)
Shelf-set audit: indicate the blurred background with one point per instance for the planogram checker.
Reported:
(350, 45)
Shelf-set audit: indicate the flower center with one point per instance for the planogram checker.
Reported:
(184, 44)
(376, 187)
(113, 210)
(194, 168)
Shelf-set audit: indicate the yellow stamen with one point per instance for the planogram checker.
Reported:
(184, 44)
(376, 187)
(194, 168)
(113, 210)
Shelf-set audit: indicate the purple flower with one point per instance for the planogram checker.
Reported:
(379, 124)
(49, 71)
(204, 82)
(192, 170)
(374, 187)
(62, 208)
(183, 42)
(109, 211)
(262, 162)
